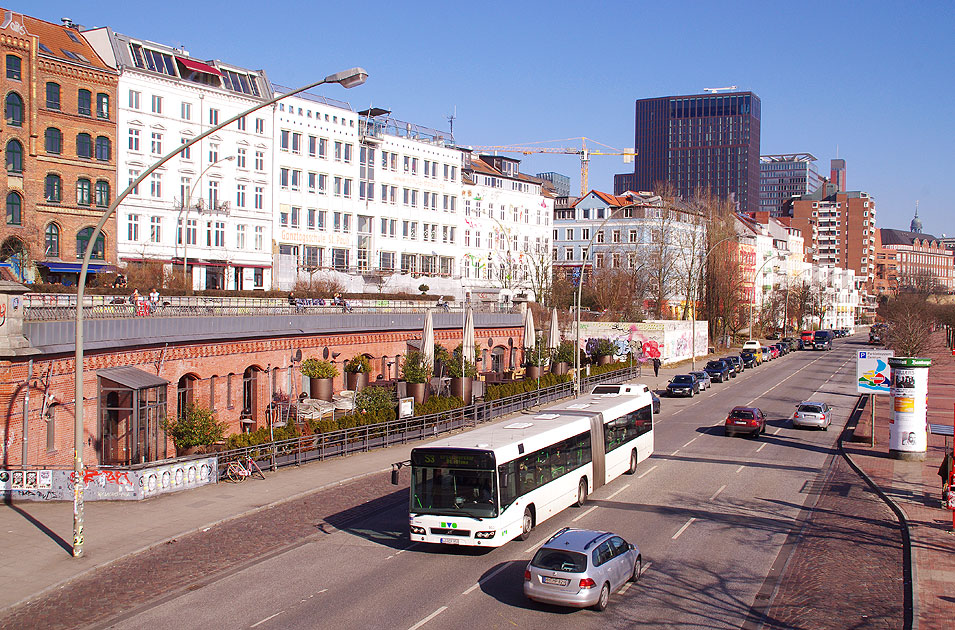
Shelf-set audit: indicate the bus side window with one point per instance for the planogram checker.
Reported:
(507, 479)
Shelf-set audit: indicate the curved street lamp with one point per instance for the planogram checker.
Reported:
(347, 79)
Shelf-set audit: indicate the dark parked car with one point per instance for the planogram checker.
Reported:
(822, 340)
(718, 370)
(748, 420)
(749, 358)
(783, 348)
(735, 362)
(683, 385)
(792, 342)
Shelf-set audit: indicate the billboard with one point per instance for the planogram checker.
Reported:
(872, 371)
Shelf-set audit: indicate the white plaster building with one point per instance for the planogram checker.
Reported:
(211, 206)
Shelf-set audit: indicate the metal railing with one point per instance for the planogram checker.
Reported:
(62, 307)
(300, 450)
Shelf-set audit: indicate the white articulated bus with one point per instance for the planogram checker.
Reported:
(496, 483)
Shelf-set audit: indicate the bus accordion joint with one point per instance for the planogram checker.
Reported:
(395, 468)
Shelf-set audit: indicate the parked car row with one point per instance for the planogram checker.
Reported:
(726, 368)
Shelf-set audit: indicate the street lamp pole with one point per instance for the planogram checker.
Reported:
(185, 219)
(706, 257)
(347, 79)
(580, 284)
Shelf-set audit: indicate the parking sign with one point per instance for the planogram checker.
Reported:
(872, 371)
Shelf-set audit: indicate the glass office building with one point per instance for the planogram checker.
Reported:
(700, 142)
(783, 176)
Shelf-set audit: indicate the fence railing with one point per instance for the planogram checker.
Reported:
(61, 307)
(318, 447)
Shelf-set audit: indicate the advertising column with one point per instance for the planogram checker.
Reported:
(908, 431)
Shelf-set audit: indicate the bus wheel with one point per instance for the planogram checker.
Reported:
(633, 462)
(581, 493)
(526, 525)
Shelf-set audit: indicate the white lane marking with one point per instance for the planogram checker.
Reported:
(716, 494)
(740, 468)
(781, 382)
(761, 447)
(428, 618)
(532, 548)
(487, 579)
(626, 587)
(682, 529)
(259, 623)
(586, 512)
(690, 442)
(324, 590)
(674, 452)
(646, 568)
(778, 429)
(646, 472)
(618, 492)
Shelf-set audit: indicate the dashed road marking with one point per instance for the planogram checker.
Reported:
(259, 623)
(580, 516)
(740, 468)
(428, 618)
(761, 447)
(674, 452)
(690, 442)
(487, 579)
(618, 492)
(646, 472)
(533, 547)
(716, 494)
(778, 429)
(682, 529)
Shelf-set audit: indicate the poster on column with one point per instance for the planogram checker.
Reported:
(908, 431)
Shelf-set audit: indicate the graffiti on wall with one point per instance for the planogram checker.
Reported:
(113, 484)
(669, 341)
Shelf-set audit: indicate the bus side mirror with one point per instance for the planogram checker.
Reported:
(394, 476)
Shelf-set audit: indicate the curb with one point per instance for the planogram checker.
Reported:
(911, 605)
(188, 532)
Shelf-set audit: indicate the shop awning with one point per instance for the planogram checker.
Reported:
(198, 66)
(132, 377)
(65, 267)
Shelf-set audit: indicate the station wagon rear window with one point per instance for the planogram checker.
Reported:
(810, 408)
(560, 560)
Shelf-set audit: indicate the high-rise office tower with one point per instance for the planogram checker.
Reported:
(700, 142)
(784, 176)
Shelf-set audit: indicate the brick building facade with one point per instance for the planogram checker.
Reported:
(59, 143)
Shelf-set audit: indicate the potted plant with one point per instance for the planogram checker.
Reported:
(462, 373)
(441, 360)
(196, 429)
(416, 372)
(535, 359)
(562, 358)
(600, 351)
(356, 372)
(321, 376)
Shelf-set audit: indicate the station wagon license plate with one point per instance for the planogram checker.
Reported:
(555, 581)
(450, 541)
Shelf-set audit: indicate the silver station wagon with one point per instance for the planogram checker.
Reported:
(813, 414)
(580, 568)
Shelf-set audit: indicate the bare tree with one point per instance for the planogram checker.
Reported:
(662, 252)
(540, 271)
(910, 324)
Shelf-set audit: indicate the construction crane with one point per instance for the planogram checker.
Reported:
(582, 151)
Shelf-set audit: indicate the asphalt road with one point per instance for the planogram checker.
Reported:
(710, 514)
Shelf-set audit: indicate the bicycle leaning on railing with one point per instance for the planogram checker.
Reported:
(238, 472)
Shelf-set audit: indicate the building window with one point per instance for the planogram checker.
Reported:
(101, 194)
(155, 146)
(13, 67)
(186, 111)
(259, 125)
(155, 185)
(14, 156)
(53, 188)
(102, 149)
(240, 195)
(259, 197)
(84, 145)
(240, 237)
(260, 160)
(134, 139)
(134, 97)
(51, 244)
(155, 229)
(53, 95)
(83, 192)
(241, 124)
(102, 106)
(14, 110)
(53, 139)
(213, 117)
(240, 158)
(259, 239)
(84, 103)
(132, 231)
(82, 241)
(186, 153)
(14, 207)
(157, 104)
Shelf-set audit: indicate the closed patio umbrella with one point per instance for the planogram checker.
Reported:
(530, 336)
(467, 343)
(427, 339)
(553, 338)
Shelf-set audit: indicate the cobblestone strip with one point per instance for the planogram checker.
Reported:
(197, 559)
(846, 569)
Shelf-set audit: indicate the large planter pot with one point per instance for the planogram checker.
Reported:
(604, 359)
(532, 371)
(356, 381)
(417, 391)
(461, 387)
(188, 450)
(559, 368)
(321, 388)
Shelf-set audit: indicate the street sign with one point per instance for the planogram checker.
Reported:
(872, 371)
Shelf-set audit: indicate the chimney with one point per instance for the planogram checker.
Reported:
(67, 22)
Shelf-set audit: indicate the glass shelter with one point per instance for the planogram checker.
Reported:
(132, 407)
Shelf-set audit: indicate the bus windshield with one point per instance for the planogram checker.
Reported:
(453, 492)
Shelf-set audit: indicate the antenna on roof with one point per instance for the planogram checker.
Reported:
(451, 118)
(728, 88)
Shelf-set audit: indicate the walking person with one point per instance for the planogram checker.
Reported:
(656, 366)
(945, 472)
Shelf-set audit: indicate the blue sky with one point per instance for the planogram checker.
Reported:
(873, 80)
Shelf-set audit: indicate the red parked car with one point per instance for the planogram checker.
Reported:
(748, 420)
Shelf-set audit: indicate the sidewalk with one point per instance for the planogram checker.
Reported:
(916, 488)
(37, 537)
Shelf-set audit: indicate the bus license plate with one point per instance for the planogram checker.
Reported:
(450, 541)
(555, 581)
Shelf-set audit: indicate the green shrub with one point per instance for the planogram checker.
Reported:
(437, 404)
(454, 366)
(372, 399)
(414, 369)
(322, 425)
(564, 353)
(495, 392)
(316, 368)
(357, 364)
(537, 356)
(197, 428)
(423, 288)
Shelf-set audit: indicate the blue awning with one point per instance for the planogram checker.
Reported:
(64, 267)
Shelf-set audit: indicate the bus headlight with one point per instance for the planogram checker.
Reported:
(418, 530)
(489, 534)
